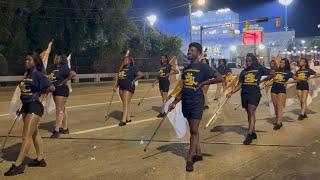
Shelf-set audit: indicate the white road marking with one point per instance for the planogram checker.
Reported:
(112, 126)
(96, 104)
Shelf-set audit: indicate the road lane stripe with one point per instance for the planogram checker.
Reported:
(112, 126)
(96, 104)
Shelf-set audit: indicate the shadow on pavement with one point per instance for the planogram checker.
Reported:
(11, 153)
(232, 128)
(49, 126)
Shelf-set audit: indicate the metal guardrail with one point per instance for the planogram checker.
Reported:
(96, 77)
(77, 79)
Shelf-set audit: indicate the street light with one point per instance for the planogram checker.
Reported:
(152, 19)
(200, 3)
(286, 3)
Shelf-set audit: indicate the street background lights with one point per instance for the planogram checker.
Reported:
(286, 3)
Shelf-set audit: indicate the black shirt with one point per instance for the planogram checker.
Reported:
(35, 82)
(192, 76)
(127, 75)
(164, 71)
(59, 75)
(250, 79)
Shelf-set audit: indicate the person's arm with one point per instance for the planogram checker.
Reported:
(71, 75)
(139, 75)
(217, 78)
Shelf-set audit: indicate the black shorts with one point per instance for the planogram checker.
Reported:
(164, 85)
(193, 110)
(61, 91)
(127, 88)
(252, 99)
(304, 85)
(278, 88)
(34, 107)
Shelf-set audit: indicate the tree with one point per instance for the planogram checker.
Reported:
(3, 65)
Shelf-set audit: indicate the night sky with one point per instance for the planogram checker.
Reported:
(304, 15)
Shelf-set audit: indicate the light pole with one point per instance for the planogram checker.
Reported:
(200, 3)
(286, 3)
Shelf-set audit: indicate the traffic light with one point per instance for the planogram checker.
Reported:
(278, 22)
(247, 25)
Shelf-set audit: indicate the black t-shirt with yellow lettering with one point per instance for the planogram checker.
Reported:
(302, 76)
(163, 72)
(35, 82)
(250, 79)
(126, 77)
(193, 75)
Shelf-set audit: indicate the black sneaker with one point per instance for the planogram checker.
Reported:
(197, 158)
(64, 131)
(160, 115)
(37, 163)
(14, 170)
(248, 139)
(277, 126)
(122, 123)
(301, 117)
(189, 166)
(305, 116)
(254, 135)
(55, 135)
(128, 121)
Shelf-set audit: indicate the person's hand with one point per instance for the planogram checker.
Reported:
(171, 107)
(115, 89)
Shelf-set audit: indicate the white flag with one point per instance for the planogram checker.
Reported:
(176, 118)
(15, 103)
(69, 65)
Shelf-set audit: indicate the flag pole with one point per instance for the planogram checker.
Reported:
(155, 132)
(216, 113)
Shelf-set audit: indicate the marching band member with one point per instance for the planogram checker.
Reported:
(34, 84)
(59, 77)
(249, 81)
(127, 77)
(165, 71)
(194, 77)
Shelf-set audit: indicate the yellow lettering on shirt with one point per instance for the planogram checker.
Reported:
(250, 78)
(161, 73)
(122, 75)
(301, 76)
(279, 78)
(189, 80)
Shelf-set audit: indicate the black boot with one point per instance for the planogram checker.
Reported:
(14, 170)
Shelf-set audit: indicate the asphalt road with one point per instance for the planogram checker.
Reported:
(99, 149)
